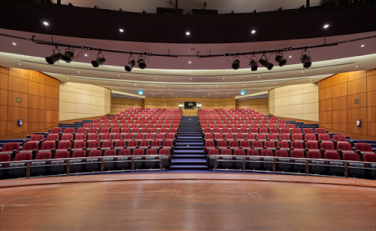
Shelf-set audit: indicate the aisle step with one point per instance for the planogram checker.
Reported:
(188, 167)
(189, 151)
(189, 156)
(188, 161)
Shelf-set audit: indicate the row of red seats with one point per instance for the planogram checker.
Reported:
(59, 166)
(342, 147)
(115, 130)
(322, 167)
(12, 149)
(219, 122)
(125, 125)
(104, 137)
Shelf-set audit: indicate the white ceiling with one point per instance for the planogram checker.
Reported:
(175, 77)
(223, 6)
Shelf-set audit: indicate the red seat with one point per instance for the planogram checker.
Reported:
(270, 145)
(363, 148)
(93, 145)
(310, 138)
(47, 147)
(261, 137)
(284, 131)
(150, 137)
(36, 139)
(144, 144)
(64, 146)
(105, 137)
(297, 137)
(160, 137)
(117, 136)
(328, 147)
(312, 146)
(296, 145)
(308, 131)
(209, 144)
(257, 145)
(245, 144)
(283, 145)
(93, 131)
(344, 148)
(233, 144)
(69, 130)
(30, 148)
(92, 137)
(250, 137)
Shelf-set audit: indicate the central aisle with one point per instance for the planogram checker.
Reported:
(189, 148)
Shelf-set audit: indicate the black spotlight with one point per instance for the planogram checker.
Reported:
(306, 61)
(67, 57)
(236, 64)
(53, 58)
(98, 62)
(141, 64)
(266, 64)
(253, 65)
(130, 65)
(280, 60)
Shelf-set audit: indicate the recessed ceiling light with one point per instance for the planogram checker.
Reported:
(67, 78)
(14, 44)
(85, 54)
(163, 85)
(302, 71)
(155, 76)
(223, 78)
(105, 81)
(78, 71)
(119, 75)
(253, 31)
(310, 80)
(290, 56)
(362, 45)
(326, 26)
(187, 33)
(19, 64)
(216, 86)
(135, 84)
(259, 76)
(189, 62)
(46, 23)
(356, 66)
(274, 82)
(190, 86)
(243, 85)
(121, 30)
(227, 70)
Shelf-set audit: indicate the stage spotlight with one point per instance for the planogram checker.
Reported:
(236, 64)
(266, 64)
(130, 65)
(53, 58)
(306, 61)
(99, 61)
(253, 65)
(280, 60)
(141, 64)
(68, 55)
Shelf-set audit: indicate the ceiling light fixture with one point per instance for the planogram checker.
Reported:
(362, 45)
(99, 61)
(14, 44)
(141, 63)
(54, 58)
(236, 64)
(326, 26)
(187, 33)
(121, 30)
(130, 64)
(306, 60)
(189, 62)
(85, 54)
(253, 31)
(68, 55)
(280, 60)
(265, 63)
(46, 23)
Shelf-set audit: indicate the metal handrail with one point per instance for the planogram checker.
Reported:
(67, 162)
(307, 160)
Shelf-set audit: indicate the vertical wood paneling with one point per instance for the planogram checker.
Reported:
(342, 114)
(31, 87)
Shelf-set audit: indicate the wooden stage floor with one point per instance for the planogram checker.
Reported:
(188, 205)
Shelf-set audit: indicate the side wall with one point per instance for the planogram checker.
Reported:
(299, 101)
(119, 104)
(338, 110)
(39, 106)
(83, 100)
(259, 105)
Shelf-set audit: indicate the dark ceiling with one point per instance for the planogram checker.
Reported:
(222, 28)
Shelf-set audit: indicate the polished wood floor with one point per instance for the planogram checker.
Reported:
(188, 205)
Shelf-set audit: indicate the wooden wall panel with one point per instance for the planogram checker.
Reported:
(338, 110)
(259, 105)
(37, 100)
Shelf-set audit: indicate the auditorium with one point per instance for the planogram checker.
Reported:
(187, 115)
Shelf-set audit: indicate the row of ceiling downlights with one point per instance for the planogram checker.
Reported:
(68, 55)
